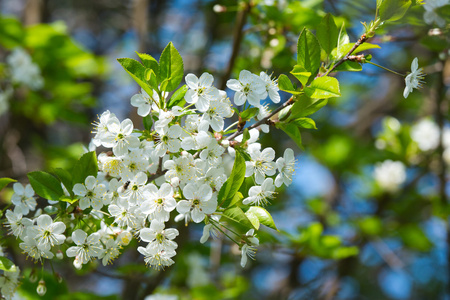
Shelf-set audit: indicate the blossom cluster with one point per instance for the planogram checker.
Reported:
(173, 170)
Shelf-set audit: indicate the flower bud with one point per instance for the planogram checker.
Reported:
(219, 8)
(174, 182)
(59, 254)
(77, 263)
(225, 143)
(41, 288)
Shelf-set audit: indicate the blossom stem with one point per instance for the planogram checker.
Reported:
(263, 120)
(229, 127)
(214, 221)
(389, 70)
(220, 229)
(186, 107)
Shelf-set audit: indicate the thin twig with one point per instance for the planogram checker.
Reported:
(360, 41)
(263, 120)
(237, 40)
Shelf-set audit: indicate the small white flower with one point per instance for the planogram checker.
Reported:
(426, 134)
(430, 16)
(249, 248)
(87, 247)
(101, 127)
(133, 192)
(46, 232)
(260, 195)
(30, 247)
(168, 140)
(160, 202)
(17, 223)
(286, 167)
(158, 259)
(390, 175)
(91, 193)
(249, 88)
(119, 137)
(125, 215)
(158, 237)
(9, 283)
(271, 87)
(145, 103)
(261, 164)
(200, 91)
(199, 203)
(414, 79)
(111, 252)
(23, 198)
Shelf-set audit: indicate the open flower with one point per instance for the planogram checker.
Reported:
(249, 248)
(199, 203)
(201, 91)
(86, 247)
(23, 198)
(414, 79)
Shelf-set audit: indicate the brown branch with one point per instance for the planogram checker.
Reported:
(360, 41)
(263, 120)
(237, 40)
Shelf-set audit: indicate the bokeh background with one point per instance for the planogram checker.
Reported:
(353, 225)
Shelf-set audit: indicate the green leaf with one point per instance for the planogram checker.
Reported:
(149, 62)
(5, 181)
(301, 74)
(323, 87)
(45, 185)
(253, 219)
(236, 199)
(177, 98)
(249, 113)
(233, 183)
(327, 33)
(285, 84)
(263, 215)
(6, 264)
(393, 10)
(343, 40)
(306, 106)
(363, 47)
(344, 252)
(84, 167)
(237, 215)
(68, 200)
(170, 68)
(65, 177)
(136, 71)
(284, 113)
(148, 122)
(350, 66)
(308, 51)
(305, 123)
(292, 131)
(245, 136)
(152, 79)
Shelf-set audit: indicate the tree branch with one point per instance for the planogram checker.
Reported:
(238, 35)
(263, 120)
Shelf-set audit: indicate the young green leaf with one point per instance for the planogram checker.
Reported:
(5, 181)
(45, 185)
(151, 79)
(350, 66)
(6, 264)
(236, 214)
(148, 122)
(347, 47)
(301, 74)
(393, 10)
(178, 97)
(233, 183)
(65, 177)
(323, 87)
(327, 34)
(253, 219)
(292, 131)
(263, 215)
(308, 51)
(307, 123)
(249, 113)
(285, 84)
(85, 166)
(343, 39)
(170, 68)
(306, 106)
(149, 62)
(136, 71)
